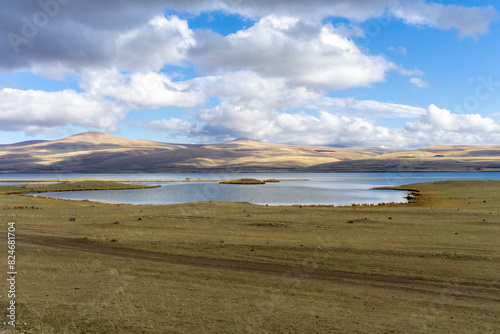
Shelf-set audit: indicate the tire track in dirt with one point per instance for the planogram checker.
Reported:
(469, 290)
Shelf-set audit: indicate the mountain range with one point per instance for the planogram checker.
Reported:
(98, 152)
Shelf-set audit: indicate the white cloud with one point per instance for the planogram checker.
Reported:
(435, 127)
(79, 36)
(470, 21)
(252, 90)
(228, 122)
(168, 124)
(438, 138)
(418, 82)
(108, 96)
(357, 10)
(437, 119)
(236, 121)
(410, 73)
(367, 108)
(305, 53)
(40, 112)
(161, 41)
(143, 90)
(75, 47)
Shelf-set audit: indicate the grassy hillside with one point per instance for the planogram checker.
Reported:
(97, 152)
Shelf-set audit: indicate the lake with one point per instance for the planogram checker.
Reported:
(321, 188)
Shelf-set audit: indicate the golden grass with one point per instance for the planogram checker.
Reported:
(215, 267)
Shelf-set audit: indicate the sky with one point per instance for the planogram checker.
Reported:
(371, 73)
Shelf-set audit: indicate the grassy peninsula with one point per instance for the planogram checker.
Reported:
(243, 181)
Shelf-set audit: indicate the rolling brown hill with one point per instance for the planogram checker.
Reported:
(97, 152)
(437, 158)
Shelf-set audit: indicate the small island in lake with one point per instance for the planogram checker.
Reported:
(245, 181)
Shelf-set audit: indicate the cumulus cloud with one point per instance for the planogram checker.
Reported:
(227, 120)
(244, 91)
(323, 128)
(437, 119)
(77, 35)
(439, 138)
(253, 90)
(40, 112)
(434, 127)
(162, 41)
(470, 21)
(107, 97)
(305, 53)
(70, 46)
(143, 89)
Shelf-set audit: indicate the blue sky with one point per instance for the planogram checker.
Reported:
(378, 73)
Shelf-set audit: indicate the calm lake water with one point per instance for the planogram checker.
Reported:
(322, 188)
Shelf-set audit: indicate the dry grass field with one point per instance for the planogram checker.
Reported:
(432, 266)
